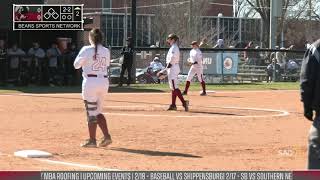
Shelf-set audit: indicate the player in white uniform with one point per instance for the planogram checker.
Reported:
(196, 68)
(173, 70)
(94, 61)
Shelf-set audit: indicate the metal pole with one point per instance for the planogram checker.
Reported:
(222, 67)
(190, 21)
(275, 13)
(235, 8)
(218, 24)
(125, 24)
(272, 25)
(133, 21)
(282, 36)
(261, 33)
(309, 11)
(102, 4)
(149, 30)
(240, 29)
(133, 35)
(309, 15)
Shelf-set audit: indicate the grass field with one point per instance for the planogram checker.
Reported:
(248, 86)
(156, 88)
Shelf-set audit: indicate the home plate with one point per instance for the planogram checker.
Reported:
(32, 154)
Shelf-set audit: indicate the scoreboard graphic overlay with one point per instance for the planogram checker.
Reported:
(47, 17)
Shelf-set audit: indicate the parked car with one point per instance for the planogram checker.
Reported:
(114, 76)
(147, 76)
(115, 69)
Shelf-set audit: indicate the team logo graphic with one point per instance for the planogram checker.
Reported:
(227, 63)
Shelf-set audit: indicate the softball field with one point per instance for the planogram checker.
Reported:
(226, 130)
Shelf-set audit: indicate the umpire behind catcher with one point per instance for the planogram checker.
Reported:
(310, 96)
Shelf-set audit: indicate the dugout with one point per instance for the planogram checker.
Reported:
(45, 38)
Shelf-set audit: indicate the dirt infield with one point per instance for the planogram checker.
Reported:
(245, 130)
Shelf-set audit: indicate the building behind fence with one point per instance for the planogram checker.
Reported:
(233, 30)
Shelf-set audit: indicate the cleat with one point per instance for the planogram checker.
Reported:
(89, 143)
(105, 141)
(184, 93)
(186, 105)
(172, 108)
(203, 94)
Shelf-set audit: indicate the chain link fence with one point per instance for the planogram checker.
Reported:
(225, 65)
(220, 66)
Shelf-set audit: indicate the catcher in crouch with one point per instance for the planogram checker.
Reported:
(195, 61)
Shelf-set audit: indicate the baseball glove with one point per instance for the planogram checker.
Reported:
(189, 62)
(161, 75)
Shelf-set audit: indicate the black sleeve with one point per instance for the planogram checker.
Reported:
(308, 78)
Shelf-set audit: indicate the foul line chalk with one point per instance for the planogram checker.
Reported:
(64, 163)
(256, 91)
(281, 113)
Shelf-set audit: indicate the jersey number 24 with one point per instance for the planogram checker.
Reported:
(99, 64)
